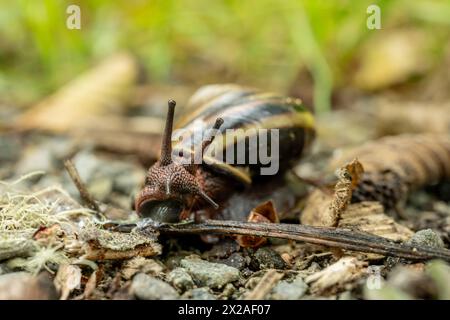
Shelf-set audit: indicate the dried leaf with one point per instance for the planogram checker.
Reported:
(265, 213)
(67, 279)
(395, 118)
(398, 56)
(100, 91)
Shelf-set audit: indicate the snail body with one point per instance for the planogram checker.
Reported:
(229, 137)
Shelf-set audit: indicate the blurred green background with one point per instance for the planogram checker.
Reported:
(264, 43)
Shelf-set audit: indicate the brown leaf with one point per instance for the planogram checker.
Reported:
(97, 92)
(265, 213)
(398, 56)
(395, 118)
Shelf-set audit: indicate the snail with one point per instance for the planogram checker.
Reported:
(192, 176)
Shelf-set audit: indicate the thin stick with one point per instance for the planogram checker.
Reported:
(332, 237)
(85, 196)
(267, 282)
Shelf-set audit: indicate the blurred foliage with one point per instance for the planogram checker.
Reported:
(258, 42)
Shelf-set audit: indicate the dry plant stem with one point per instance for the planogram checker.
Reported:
(331, 237)
(86, 197)
(265, 285)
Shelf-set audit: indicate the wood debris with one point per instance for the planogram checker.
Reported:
(337, 276)
(396, 165)
(324, 208)
(265, 285)
(109, 245)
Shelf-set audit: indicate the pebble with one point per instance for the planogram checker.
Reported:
(285, 290)
(228, 291)
(199, 294)
(145, 287)
(426, 237)
(266, 258)
(24, 286)
(209, 274)
(9, 148)
(35, 159)
(180, 279)
(104, 176)
(235, 260)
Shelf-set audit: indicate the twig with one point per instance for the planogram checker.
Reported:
(332, 237)
(85, 196)
(264, 286)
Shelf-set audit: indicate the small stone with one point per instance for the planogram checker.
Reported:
(11, 247)
(180, 279)
(35, 159)
(252, 282)
(386, 292)
(235, 260)
(209, 274)
(87, 164)
(104, 176)
(228, 291)
(439, 272)
(266, 258)
(412, 282)
(145, 287)
(129, 180)
(246, 272)
(199, 294)
(9, 148)
(24, 286)
(426, 237)
(285, 290)
(101, 188)
(222, 250)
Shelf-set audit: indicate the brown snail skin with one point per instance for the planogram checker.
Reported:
(174, 190)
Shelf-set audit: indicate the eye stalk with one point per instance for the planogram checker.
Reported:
(168, 182)
(166, 145)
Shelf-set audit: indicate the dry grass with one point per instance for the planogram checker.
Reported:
(23, 212)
